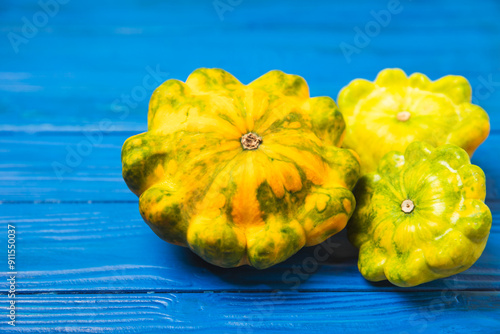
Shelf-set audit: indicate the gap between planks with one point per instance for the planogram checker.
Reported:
(236, 291)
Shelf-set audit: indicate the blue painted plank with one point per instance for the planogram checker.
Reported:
(108, 248)
(71, 73)
(68, 167)
(444, 311)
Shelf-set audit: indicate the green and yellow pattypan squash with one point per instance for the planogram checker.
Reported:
(395, 110)
(241, 174)
(421, 216)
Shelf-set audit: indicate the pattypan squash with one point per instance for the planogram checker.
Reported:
(395, 110)
(241, 174)
(421, 216)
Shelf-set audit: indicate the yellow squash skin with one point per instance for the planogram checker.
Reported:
(395, 110)
(200, 186)
(445, 228)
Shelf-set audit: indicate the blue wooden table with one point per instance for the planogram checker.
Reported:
(75, 80)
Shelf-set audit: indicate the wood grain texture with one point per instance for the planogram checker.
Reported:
(279, 312)
(71, 72)
(108, 248)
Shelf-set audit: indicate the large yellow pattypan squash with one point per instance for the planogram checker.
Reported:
(395, 110)
(241, 174)
(421, 216)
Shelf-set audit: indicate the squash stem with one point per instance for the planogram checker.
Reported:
(403, 116)
(250, 141)
(407, 206)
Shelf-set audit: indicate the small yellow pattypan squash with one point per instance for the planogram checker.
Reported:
(395, 110)
(241, 174)
(421, 216)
